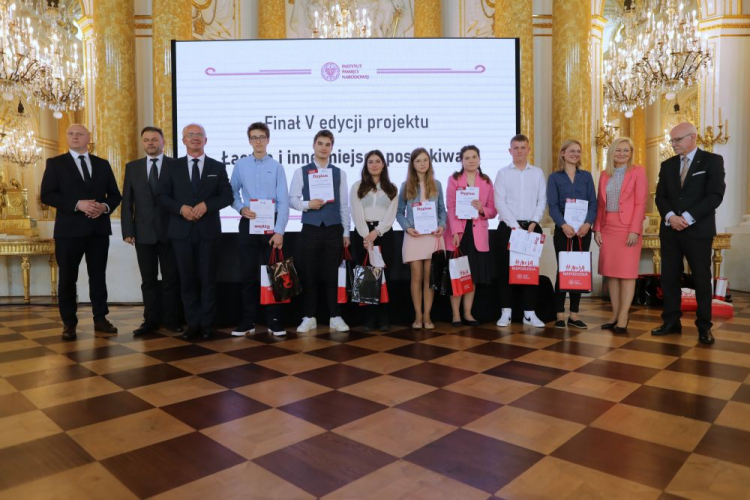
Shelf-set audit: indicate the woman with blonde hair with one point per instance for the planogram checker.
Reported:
(623, 189)
(570, 182)
(420, 186)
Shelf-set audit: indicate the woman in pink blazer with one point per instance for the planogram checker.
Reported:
(621, 208)
(474, 242)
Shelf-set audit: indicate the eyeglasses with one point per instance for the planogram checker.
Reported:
(675, 141)
(258, 138)
(195, 135)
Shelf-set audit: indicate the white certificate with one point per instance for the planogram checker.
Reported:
(263, 223)
(575, 212)
(375, 257)
(425, 217)
(522, 241)
(464, 197)
(320, 182)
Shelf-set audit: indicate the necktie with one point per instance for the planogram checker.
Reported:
(85, 168)
(153, 176)
(196, 176)
(684, 169)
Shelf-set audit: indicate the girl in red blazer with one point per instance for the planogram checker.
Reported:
(621, 204)
(471, 236)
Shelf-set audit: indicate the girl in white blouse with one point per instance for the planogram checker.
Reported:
(374, 202)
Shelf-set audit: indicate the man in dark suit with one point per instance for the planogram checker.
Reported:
(691, 188)
(144, 224)
(193, 189)
(83, 189)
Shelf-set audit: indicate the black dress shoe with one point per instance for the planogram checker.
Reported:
(608, 326)
(144, 329)
(620, 329)
(471, 322)
(705, 337)
(104, 326)
(190, 333)
(577, 323)
(456, 324)
(69, 332)
(207, 333)
(175, 328)
(560, 323)
(667, 328)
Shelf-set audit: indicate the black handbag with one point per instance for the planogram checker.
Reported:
(283, 276)
(439, 270)
(366, 284)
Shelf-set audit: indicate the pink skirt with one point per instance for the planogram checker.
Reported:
(418, 247)
(616, 259)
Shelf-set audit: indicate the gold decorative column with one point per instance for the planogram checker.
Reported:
(272, 19)
(62, 132)
(638, 134)
(170, 21)
(428, 21)
(513, 19)
(571, 76)
(115, 83)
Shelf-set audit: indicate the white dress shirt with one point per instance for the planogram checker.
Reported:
(80, 171)
(201, 161)
(686, 215)
(297, 203)
(520, 194)
(374, 207)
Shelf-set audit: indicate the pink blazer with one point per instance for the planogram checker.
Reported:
(633, 195)
(481, 226)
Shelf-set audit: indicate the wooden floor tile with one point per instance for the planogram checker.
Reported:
(704, 477)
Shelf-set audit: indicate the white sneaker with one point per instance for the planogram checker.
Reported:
(307, 325)
(243, 330)
(504, 317)
(529, 318)
(276, 328)
(338, 324)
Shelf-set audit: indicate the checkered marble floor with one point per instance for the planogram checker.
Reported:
(454, 413)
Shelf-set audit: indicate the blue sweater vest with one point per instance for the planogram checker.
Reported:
(330, 213)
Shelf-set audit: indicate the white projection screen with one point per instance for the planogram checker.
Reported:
(389, 94)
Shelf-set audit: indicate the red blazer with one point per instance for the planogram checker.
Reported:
(481, 226)
(633, 195)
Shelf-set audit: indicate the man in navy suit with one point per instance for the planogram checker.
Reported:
(83, 189)
(144, 225)
(690, 189)
(193, 189)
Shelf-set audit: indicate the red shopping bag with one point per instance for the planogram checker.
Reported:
(460, 273)
(524, 269)
(688, 301)
(346, 269)
(266, 289)
(574, 269)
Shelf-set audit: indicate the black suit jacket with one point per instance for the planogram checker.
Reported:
(63, 186)
(176, 190)
(700, 196)
(142, 217)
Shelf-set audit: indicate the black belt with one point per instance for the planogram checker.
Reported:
(525, 223)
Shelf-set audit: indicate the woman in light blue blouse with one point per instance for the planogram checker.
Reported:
(570, 182)
(420, 186)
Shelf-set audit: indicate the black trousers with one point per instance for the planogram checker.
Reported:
(321, 256)
(161, 303)
(196, 262)
(561, 245)
(69, 252)
(254, 252)
(528, 292)
(378, 313)
(675, 246)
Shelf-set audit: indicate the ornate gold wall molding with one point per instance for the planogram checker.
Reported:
(272, 20)
(115, 83)
(571, 76)
(171, 22)
(514, 19)
(428, 19)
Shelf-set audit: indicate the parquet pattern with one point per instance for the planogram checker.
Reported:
(454, 413)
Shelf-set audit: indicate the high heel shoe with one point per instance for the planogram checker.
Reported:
(621, 329)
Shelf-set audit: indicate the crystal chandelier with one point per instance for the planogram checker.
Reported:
(674, 54)
(342, 19)
(625, 86)
(39, 54)
(19, 145)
